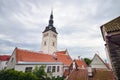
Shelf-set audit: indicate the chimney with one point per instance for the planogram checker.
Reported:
(78, 57)
(90, 72)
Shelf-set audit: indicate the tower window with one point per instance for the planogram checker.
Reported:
(45, 43)
(45, 35)
(53, 44)
(54, 35)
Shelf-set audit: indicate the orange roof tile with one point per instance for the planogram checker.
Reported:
(66, 72)
(61, 52)
(30, 56)
(63, 57)
(103, 75)
(80, 63)
(80, 74)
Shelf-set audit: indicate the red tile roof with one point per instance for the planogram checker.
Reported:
(61, 52)
(66, 72)
(64, 57)
(30, 56)
(4, 57)
(80, 74)
(98, 74)
(80, 63)
(103, 75)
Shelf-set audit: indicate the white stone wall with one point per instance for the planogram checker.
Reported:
(2, 64)
(23, 67)
(12, 61)
(49, 48)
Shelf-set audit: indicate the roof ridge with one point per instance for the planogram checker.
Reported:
(111, 20)
(35, 52)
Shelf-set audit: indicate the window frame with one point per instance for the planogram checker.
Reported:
(53, 68)
(28, 69)
(58, 68)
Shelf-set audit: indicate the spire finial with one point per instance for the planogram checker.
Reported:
(50, 24)
(51, 16)
(51, 19)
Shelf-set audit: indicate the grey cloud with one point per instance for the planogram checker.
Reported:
(21, 34)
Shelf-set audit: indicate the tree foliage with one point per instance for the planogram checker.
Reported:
(37, 74)
(87, 60)
(11, 74)
(42, 75)
(40, 72)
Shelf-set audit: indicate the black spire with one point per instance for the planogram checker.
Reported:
(51, 20)
(50, 25)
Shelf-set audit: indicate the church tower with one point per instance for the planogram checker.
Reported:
(49, 39)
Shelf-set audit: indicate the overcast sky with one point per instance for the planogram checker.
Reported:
(77, 22)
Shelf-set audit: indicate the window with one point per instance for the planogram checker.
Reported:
(53, 44)
(45, 43)
(48, 69)
(45, 35)
(28, 69)
(53, 69)
(58, 68)
(54, 35)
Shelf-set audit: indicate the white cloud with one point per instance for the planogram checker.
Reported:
(77, 22)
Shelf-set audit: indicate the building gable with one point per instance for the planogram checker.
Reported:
(97, 62)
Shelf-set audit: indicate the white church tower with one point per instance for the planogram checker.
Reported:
(49, 39)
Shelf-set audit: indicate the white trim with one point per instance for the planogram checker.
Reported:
(25, 63)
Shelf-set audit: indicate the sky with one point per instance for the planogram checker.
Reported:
(77, 23)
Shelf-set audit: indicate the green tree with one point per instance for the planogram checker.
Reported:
(87, 61)
(37, 74)
(40, 72)
(58, 78)
(16, 75)
(42, 75)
